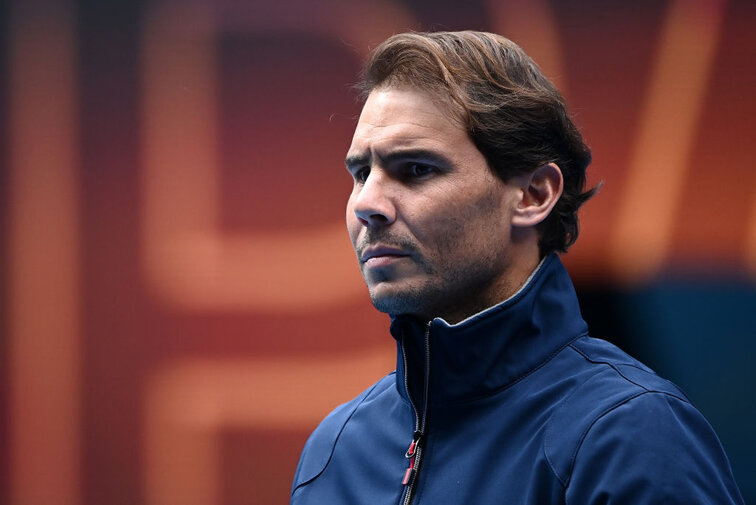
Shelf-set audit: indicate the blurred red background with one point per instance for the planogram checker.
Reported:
(181, 303)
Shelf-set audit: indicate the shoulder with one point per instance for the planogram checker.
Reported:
(319, 447)
(610, 378)
(626, 435)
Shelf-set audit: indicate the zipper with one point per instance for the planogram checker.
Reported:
(415, 450)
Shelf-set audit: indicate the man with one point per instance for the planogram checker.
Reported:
(468, 174)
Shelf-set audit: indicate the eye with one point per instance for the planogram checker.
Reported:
(420, 169)
(361, 175)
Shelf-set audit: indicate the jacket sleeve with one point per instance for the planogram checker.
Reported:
(652, 449)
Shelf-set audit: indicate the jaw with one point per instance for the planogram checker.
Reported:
(398, 296)
(452, 298)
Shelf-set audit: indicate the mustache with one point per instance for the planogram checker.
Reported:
(385, 239)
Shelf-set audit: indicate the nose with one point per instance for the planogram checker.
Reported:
(372, 203)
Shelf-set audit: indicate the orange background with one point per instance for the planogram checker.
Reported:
(182, 305)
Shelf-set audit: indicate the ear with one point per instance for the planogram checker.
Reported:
(541, 190)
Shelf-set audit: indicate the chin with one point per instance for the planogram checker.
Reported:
(397, 301)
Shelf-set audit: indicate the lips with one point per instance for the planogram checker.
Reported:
(381, 254)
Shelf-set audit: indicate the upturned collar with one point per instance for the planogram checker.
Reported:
(492, 349)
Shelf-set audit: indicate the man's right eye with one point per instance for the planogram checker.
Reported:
(361, 175)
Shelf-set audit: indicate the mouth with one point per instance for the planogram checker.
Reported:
(381, 256)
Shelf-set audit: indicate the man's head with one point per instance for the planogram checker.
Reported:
(467, 171)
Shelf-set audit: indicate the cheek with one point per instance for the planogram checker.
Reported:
(352, 224)
(462, 229)
(440, 234)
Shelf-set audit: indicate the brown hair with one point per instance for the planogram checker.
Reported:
(513, 113)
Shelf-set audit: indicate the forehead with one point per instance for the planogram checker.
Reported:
(404, 117)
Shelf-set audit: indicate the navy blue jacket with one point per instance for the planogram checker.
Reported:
(515, 405)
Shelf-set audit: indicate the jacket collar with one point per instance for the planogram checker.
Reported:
(490, 350)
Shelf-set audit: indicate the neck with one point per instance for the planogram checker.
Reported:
(524, 260)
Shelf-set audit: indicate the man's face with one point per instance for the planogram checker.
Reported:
(428, 219)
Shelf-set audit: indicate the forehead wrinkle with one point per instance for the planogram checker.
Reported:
(400, 135)
(388, 125)
(440, 123)
(368, 142)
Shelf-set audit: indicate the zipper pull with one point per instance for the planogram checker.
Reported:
(411, 454)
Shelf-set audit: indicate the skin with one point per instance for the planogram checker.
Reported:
(436, 232)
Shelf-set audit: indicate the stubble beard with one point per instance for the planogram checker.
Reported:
(411, 299)
(456, 294)
(446, 288)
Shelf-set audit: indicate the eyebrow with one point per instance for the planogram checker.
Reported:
(357, 160)
(361, 160)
